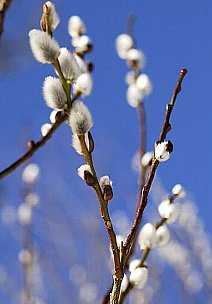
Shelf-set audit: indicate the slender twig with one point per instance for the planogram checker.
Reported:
(145, 191)
(118, 271)
(4, 5)
(33, 147)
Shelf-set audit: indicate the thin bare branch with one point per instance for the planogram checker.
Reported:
(118, 271)
(33, 147)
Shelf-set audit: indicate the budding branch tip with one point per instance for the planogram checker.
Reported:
(183, 71)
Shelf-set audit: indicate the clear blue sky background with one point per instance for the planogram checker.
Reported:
(172, 34)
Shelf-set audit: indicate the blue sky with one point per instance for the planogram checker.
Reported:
(172, 34)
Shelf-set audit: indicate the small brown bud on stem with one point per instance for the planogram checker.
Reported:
(89, 179)
(108, 193)
(30, 144)
(91, 142)
(169, 146)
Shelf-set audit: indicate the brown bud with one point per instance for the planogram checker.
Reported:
(133, 64)
(169, 146)
(89, 179)
(90, 66)
(44, 22)
(58, 115)
(91, 142)
(30, 144)
(89, 47)
(44, 18)
(108, 224)
(108, 193)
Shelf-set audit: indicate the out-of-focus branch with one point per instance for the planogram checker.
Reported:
(142, 120)
(4, 5)
(130, 23)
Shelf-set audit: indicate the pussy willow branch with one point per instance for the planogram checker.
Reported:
(146, 188)
(145, 191)
(118, 271)
(128, 246)
(5, 4)
(66, 86)
(145, 254)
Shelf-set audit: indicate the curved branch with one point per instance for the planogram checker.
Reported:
(145, 191)
(33, 147)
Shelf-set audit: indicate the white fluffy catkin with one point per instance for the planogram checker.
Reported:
(80, 118)
(54, 93)
(44, 48)
(68, 64)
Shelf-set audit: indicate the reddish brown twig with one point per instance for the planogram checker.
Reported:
(145, 191)
(118, 270)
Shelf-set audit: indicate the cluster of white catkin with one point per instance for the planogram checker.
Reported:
(150, 237)
(72, 65)
(75, 70)
(139, 84)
